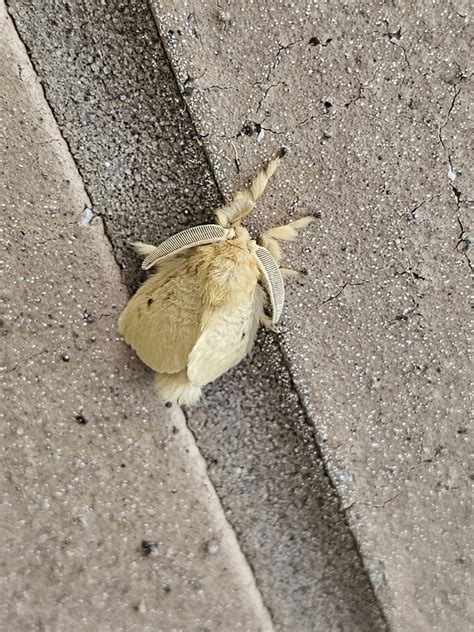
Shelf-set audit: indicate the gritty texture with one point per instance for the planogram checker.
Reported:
(372, 101)
(118, 107)
(260, 451)
(264, 462)
(108, 520)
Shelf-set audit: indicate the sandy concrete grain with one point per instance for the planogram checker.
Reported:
(107, 79)
(372, 101)
(370, 368)
(108, 520)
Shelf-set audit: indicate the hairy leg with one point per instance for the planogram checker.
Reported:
(270, 238)
(288, 274)
(243, 201)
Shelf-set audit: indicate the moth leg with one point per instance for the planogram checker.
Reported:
(142, 249)
(266, 321)
(289, 232)
(288, 273)
(243, 201)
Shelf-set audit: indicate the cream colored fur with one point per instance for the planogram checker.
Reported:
(198, 315)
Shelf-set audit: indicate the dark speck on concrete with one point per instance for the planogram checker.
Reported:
(396, 35)
(81, 419)
(250, 127)
(190, 86)
(87, 317)
(149, 547)
(315, 41)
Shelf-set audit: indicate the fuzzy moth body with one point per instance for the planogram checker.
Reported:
(198, 315)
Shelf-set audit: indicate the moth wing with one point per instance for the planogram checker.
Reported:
(161, 322)
(227, 338)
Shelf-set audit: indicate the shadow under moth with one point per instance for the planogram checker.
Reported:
(198, 315)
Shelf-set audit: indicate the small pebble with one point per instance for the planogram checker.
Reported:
(149, 547)
(87, 317)
(140, 607)
(80, 419)
(213, 547)
(224, 16)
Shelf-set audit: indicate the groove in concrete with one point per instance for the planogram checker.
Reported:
(108, 81)
(373, 105)
(75, 509)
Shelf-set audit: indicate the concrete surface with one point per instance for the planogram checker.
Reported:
(252, 431)
(372, 102)
(108, 520)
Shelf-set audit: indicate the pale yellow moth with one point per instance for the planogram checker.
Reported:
(198, 315)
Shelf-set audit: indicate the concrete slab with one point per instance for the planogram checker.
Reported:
(108, 519)
(106, 76)
(371, 101)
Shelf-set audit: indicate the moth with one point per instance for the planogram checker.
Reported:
(197, 316)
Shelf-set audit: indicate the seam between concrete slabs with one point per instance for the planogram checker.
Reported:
(197, 461)
(277, 338)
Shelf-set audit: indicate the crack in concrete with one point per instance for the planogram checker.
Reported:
(465, 241)
(334, 296)
(452, 174)
(409, 269)
(411, 214)
(265, 94)
(362, 87)
(266, 81)
(453, 102)
(394, 38)
(347, 284)
(23, 360)
(273, 131)
(251, 127)
(381, 505)
(308, 119)
(216, 87)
